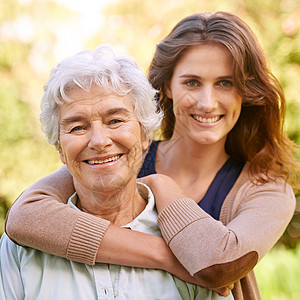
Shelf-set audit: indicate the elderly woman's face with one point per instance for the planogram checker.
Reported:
(101, 140)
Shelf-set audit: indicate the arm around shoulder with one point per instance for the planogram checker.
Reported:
(220, 253)
(40, 219)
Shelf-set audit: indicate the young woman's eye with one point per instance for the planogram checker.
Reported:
(192, 83)
(226, 83)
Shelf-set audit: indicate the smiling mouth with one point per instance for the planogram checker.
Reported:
(107, 160)
(207, 120)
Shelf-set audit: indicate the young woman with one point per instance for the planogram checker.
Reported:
(224, 147)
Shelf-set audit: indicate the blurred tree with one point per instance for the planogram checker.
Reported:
(24, 155)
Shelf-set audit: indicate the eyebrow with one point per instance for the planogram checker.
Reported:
(116, 110)
(72, 119)
(80, 117)
(199, 77)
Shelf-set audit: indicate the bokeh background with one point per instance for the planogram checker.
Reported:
(36, 34)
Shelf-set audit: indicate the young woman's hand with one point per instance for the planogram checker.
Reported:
(164, 188)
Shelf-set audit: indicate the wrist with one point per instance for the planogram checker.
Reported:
(162, 256)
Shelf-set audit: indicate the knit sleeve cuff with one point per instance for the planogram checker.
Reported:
(86, 238)
(177, 215)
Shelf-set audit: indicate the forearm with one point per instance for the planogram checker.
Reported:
(57, 229)
(216, 256)
(37, 218)
(132, 248)
(220, 254)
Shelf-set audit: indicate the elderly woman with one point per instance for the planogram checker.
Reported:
(98, 110)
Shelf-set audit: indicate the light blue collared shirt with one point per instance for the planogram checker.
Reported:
(28, 274)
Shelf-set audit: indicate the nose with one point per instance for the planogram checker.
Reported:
(207, 99)
(99, 137)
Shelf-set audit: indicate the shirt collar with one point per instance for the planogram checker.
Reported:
(147, 219)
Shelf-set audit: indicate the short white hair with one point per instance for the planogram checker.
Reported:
(119, 74)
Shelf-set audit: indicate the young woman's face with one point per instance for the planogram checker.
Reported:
(205, 100)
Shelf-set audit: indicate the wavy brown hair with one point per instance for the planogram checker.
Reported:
(258, 135)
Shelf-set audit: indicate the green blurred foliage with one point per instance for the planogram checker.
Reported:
(32, 30)
(278, 274)
(24, 154)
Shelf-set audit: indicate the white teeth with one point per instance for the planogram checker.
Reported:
(95, 162)
(206, 120)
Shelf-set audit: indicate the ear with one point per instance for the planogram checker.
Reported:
(168, 90)
(61, 155)
(145, 144)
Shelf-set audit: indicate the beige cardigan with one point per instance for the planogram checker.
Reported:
(254, 217)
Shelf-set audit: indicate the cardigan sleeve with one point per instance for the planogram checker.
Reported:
(220, 253)
(40, 219)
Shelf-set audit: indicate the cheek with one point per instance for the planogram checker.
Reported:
(70, 147)
(129, 136)
(135, 145)
(184, 101)
(136, 148)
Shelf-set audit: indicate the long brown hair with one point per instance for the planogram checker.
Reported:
(258, 135)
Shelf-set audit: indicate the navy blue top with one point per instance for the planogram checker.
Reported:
(218, 189)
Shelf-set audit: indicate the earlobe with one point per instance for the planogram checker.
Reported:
(168, 90)
(61, 156)
(145, 144)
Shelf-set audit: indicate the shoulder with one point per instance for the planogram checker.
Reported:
(7, 243)
(276, 196)
(8, 249)
(246, 185)
(279, 187)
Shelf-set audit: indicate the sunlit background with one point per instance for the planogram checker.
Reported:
(36, 34)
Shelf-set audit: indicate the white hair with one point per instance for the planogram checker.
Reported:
(102, 67)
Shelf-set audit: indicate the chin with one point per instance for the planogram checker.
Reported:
(205, 141)
(208, 139)
(111, 183)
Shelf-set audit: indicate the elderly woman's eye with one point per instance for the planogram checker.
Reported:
(76, 128)
(115, 121)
